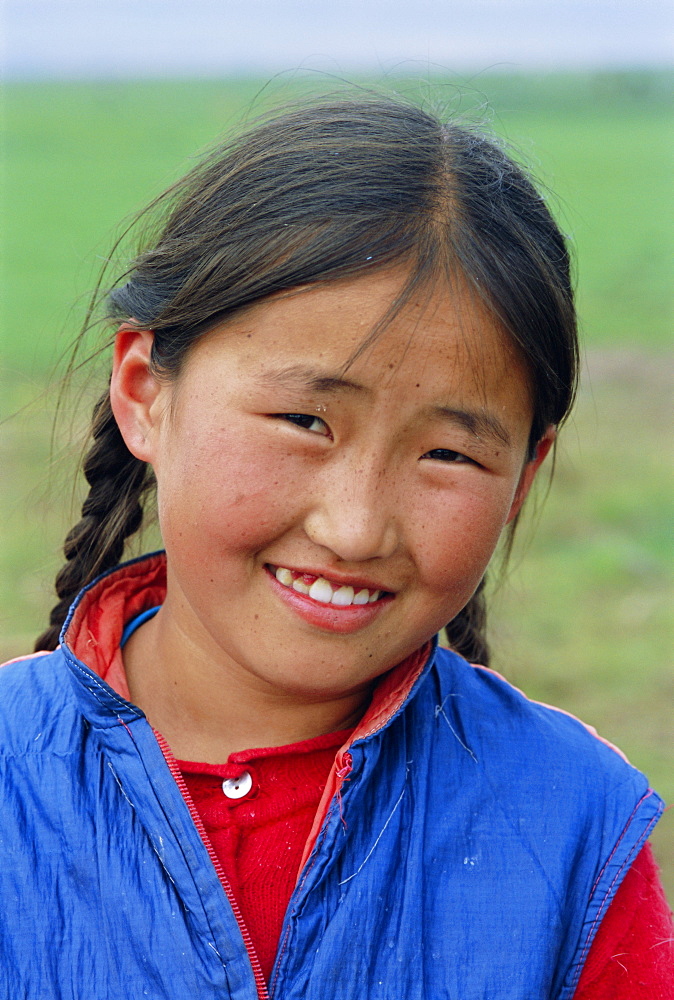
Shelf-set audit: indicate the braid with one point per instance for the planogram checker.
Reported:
(111, 512)
(467, 632)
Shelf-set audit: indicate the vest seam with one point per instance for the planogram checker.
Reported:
(636, 847)
(89, 678)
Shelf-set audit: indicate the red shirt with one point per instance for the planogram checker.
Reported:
(259, 839)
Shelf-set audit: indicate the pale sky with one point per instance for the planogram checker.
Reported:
(117, 38)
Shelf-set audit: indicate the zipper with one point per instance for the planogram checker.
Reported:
(260, 982)
(333, 790)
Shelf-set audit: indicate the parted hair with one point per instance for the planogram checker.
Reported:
(320, 192)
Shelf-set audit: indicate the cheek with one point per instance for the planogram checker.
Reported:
(226, 489)
(458, 539)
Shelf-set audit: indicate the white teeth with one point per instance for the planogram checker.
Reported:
(325, 592)
(343, 597)
(321, 591)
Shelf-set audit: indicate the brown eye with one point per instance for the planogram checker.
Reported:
(446, 455)
(306, 421)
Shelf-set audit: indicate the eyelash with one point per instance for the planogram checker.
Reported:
(447, 455)
(305, 421)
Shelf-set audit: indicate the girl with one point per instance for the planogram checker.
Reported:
(248, 770)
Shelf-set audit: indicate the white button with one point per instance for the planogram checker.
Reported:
(236, 788)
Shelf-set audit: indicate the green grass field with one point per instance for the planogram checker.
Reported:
(584, 619)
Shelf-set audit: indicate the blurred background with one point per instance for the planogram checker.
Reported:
(104, 102)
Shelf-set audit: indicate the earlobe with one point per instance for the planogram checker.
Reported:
(134, 390)
(529, 471)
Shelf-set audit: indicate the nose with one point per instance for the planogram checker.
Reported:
(354, 512)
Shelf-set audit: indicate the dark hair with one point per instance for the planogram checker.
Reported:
(318, 193)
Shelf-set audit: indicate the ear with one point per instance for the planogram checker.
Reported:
(135, 391)
(529, 471)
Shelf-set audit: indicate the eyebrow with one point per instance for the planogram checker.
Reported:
(479, 424)
(302, 377)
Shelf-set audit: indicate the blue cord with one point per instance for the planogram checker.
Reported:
(135, 623)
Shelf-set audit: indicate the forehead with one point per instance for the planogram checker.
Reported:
(440, 331)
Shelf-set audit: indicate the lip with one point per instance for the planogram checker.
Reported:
(330, 617)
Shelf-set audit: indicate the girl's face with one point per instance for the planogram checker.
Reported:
(323, 520)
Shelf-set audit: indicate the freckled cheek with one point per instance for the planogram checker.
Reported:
(232, 493)
(457, 542)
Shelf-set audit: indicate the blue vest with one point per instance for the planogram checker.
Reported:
(480, 841)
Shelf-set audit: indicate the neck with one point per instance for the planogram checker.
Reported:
(206, 707)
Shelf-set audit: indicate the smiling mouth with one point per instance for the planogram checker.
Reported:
(323, 591)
